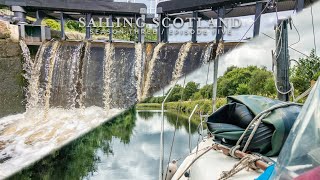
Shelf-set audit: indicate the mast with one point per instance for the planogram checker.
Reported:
(282, 61)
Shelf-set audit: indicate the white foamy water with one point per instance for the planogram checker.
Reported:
(151, 66)
(183, 53)
(109, 56)
(25, 138)
(138, 69)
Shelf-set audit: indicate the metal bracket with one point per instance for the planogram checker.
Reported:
(40, 15)
(143, 10)
(159, 10)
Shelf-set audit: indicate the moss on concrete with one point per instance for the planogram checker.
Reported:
(4, 30)
(12, 82)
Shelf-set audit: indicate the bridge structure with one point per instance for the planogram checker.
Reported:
(219, 9)
(73, 10)
(189, 10)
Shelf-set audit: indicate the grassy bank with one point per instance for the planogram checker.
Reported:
(205, 106)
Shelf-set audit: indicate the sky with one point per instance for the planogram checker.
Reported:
(258, 50)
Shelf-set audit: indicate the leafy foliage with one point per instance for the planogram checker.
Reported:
(120, 33)
(306, 71)
(189, 90)
(79, 158)
(247, 80)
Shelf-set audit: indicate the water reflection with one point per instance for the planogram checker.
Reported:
(126, 147)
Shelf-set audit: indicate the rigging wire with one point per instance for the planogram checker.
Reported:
(176, 124)
(252, 25)
(314, 36)
(297, 33)
(289, 46)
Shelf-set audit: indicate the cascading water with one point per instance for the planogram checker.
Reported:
(151, 66)
(171, 61)
(139, 64)
(76, 86)
(183, 53)
(122, 76)
(65, 74)
(109, 75)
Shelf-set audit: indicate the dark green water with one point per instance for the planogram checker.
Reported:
(126, 147)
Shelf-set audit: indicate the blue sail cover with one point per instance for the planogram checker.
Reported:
(300, 154)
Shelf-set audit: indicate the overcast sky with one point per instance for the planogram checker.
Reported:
(258, 51)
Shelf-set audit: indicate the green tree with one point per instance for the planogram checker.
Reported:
(307, 70)
(206, 91)
(175, 94)
(257, 83)
(229, 82)
(189, 90)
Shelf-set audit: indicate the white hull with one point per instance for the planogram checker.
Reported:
(211, 165)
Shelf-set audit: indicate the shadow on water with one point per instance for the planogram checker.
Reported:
(127, 147)
(172, 118)
(78, 158)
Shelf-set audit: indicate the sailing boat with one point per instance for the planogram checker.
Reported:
(213, 160)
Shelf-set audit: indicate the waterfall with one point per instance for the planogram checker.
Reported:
(81, 91)
(139, 62)
(151, 66)
(47, 94)
(32, 73)
(71, 74)
(207, 53)
(108, 59)
(93, 74)
(183, 53)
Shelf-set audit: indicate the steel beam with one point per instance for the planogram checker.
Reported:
(219, 37)
(110, 28)
(194, 26)
(40, 15)
(219, 34)
(63, 36)
(257, 18)
(88, 17)
(299, 5)
(19, 14)
(141, 34)
(162, 30)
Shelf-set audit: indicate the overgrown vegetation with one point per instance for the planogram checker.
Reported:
(237, 81)
(305, 72)
(124, 33)
(77, 159)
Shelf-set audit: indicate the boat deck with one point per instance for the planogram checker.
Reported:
(211, 165)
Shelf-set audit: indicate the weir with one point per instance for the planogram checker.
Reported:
(73, 74)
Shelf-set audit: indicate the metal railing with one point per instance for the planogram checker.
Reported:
(189, 121)
(161, 134)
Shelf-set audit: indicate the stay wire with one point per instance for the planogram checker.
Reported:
(176, 124)
(299, 38)
(314, 36)
(289, 46)
(252, 24)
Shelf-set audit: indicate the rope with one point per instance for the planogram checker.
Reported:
(259, 118)
(246, 162)
(275, 59)
(297, 33)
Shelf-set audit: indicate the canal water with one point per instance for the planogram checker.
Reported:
(126, 147)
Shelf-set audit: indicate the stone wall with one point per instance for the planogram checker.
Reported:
(11, 79)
